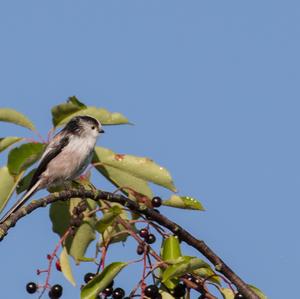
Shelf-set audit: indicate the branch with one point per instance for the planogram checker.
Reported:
(184, 235)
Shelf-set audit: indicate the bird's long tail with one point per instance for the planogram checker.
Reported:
(21, 202)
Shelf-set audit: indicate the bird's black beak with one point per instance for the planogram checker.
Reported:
(101, 131)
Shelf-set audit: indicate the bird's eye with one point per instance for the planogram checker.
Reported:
(93, 127)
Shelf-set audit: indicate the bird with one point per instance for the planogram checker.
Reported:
(65, 158)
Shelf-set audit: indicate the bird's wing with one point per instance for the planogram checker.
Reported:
(53, 149)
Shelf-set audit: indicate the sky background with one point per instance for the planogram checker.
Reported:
(213, 90)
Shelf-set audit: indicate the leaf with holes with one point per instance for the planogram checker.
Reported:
(131, 171)
(183, 202)
(22, 157)
(8, 141)
(15, 117)
(101, 281)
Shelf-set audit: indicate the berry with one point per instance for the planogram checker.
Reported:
(107, 291)
(31, 287)
(118, 293)
(57, 265)
(56, 291)
(75, 222)
(150, 239)
(48, 257)
(140, 249)
(143, 232)
(238, 296)
(83, 206)
(189, 276)
(156, 202)
(179, 290)
(75, 211)
(151, 291)
(88, 276)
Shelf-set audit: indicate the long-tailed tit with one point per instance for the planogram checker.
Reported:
(65, 158)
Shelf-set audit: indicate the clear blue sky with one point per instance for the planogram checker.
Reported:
(213, 88)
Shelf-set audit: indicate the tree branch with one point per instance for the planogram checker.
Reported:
(184, 235)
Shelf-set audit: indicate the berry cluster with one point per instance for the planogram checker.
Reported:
(77, 214)
(54, 293)
(109, 291)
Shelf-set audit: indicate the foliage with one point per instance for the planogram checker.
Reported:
(78, 223)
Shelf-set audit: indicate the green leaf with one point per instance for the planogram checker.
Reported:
(183, 202)
(166, 295)
(101, 281)
(227, 293)
(185, 265)
(131, 171)
(7, 186)
(171, 249)
(22, 157)
(208, 274)
(60, 214)
(112, 232)
(170, 252)
(8, 141)
(62, 111)
(66, 267)
(25, 181)
(13, 116)
(108, 219)
(104, 116)
(258, 292)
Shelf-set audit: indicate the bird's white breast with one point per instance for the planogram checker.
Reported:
(72, 160)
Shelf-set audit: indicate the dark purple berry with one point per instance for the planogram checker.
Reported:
(179, 290)
(31, 287)
(150, 239)
(156, 202)
(107, 291)
(238, 296)
(140, 249)
(151, 291)
(118, 293)
(56, 291)
(143, 232)
(88, 276)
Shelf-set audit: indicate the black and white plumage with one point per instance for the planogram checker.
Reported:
(65, 158)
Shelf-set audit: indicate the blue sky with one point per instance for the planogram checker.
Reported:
(213, 90)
